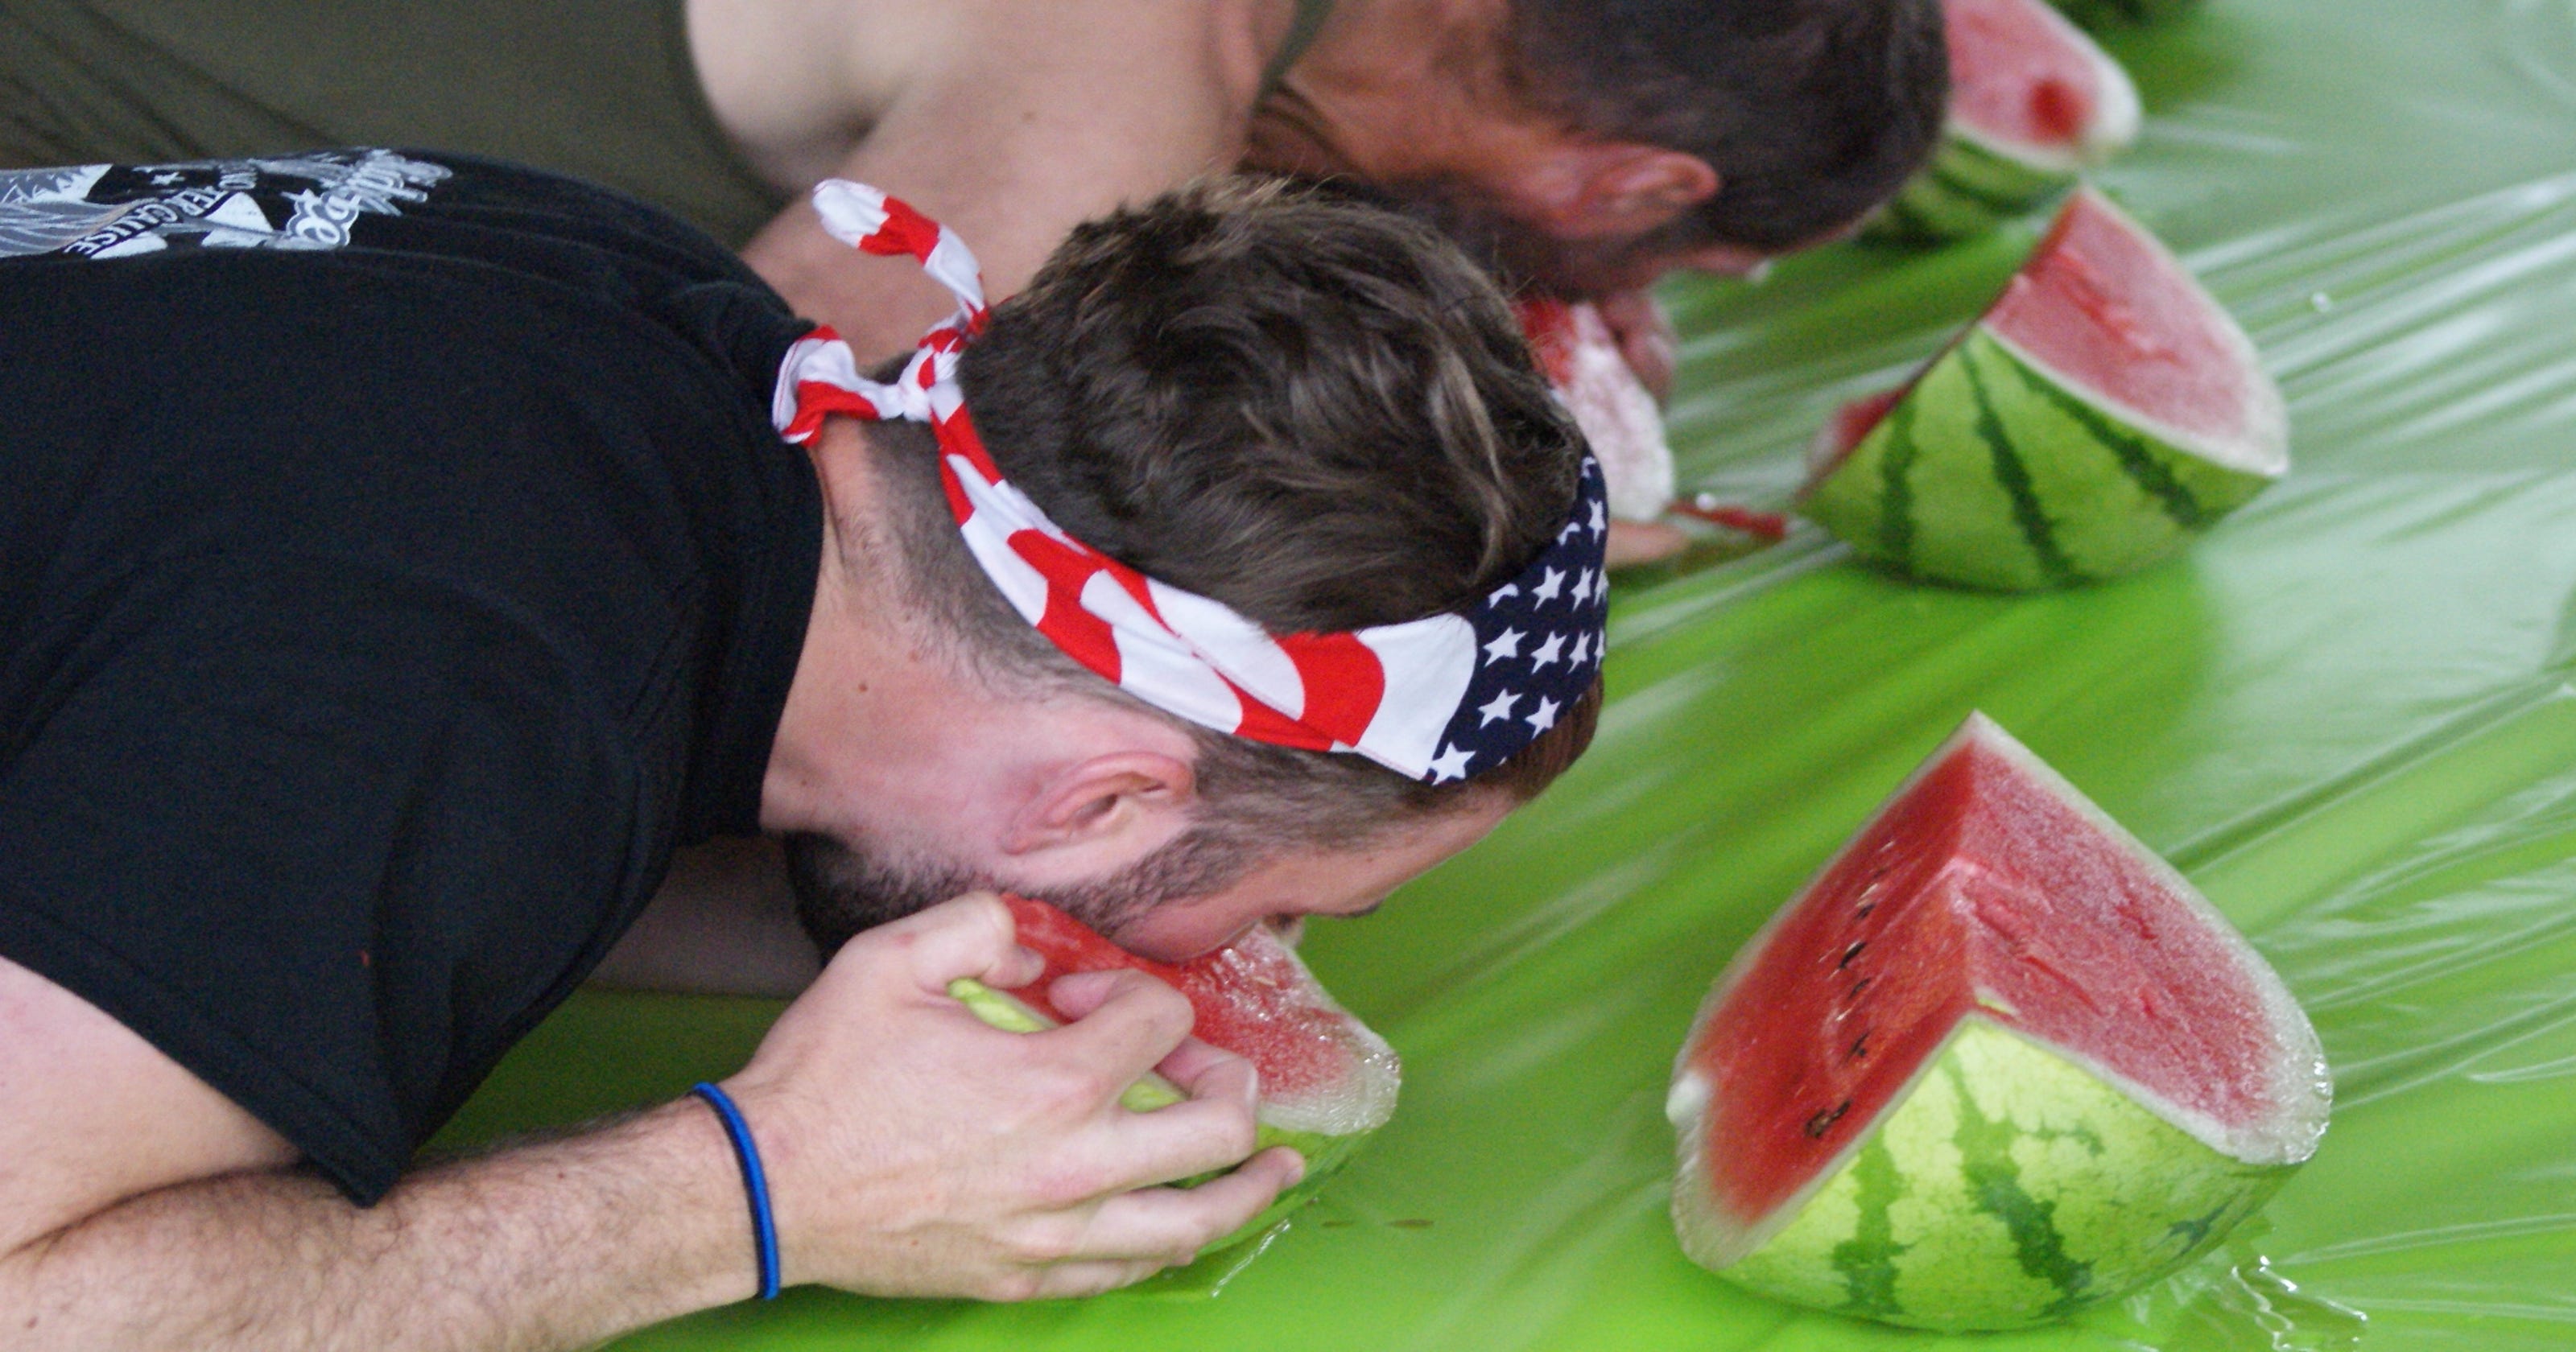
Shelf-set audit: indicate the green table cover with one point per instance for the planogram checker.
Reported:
(2347, 715)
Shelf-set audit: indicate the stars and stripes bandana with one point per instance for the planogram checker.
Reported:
(1438, 699)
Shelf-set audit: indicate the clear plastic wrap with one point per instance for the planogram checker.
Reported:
(2347, 715)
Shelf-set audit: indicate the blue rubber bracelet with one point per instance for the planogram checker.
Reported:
(764, 1227)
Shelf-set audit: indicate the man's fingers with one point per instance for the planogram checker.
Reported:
(1179, 1222)
(1090, 1279)
(971, 936)
(1636, 542)
(1646, 338)
(1214, 1129)
(1123, 1023)
(1203, 1071)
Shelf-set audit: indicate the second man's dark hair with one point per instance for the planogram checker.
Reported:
(1812, 112)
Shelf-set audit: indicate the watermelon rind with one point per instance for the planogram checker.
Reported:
(1977, 181)
(2008, 1186)
(1008, 1012)
(1996, 471)
(2010, 1079)
(1966, 190)
(1323, 1153)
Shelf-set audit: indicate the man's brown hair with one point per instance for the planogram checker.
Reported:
(1315, 411)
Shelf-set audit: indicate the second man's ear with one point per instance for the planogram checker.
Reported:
(1614, 189)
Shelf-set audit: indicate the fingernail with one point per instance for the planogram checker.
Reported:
(1079, 984)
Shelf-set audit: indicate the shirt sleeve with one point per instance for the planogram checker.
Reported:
(331, 838)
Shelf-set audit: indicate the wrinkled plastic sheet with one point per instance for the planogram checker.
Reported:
(2347, 715)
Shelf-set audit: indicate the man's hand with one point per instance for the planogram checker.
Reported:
(913, 1150)
(1646, 338)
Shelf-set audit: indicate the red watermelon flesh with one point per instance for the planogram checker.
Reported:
(1549, 324)
(2115, 316)
(1989, 886)
(1322, 1071)
(2022, 76)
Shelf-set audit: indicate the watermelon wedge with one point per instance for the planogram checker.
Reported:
(1327, 1080)
(2104, 412)
(2033, 103)
(1580, 357)
(1996, 1063)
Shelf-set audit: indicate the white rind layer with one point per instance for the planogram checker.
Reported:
(2262, 444)
(1364, 1098)
(2301, 1088)
(2298, 1079)
(1619, 418)
(2117, 112)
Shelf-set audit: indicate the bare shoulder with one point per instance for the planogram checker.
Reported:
(91, 1114)
(799, 84)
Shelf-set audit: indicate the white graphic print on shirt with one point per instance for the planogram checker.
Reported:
(298, 202)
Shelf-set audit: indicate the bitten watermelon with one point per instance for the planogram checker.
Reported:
(2101, 414)
(1580, 357)
(1996, 1063)
(2033, 103)
(1327, 1080)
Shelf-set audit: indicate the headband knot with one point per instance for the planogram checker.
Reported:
(1438, 699)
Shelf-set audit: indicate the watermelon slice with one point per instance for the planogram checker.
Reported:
(1580, 356)
(2033, 103)
(1327, 1081)
(2100, 415)
(1996, 1063)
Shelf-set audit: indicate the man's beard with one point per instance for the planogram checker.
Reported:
(845, 887)
(1520, 256)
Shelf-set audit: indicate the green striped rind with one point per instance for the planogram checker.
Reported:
(2009, 1187)
(1323, 1154)
(1970, 187)
(2113, 13)
(1992, 473)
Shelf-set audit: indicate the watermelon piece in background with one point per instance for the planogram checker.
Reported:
(1996, 1063)
(1580, 356)
(1327, 1080)
(2033, 103)
(2100, 415)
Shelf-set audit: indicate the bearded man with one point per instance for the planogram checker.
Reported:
(406, 554)
(1585, 146)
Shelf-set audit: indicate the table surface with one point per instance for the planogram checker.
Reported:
(2347, 715)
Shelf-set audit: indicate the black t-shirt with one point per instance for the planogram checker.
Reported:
(396, 563)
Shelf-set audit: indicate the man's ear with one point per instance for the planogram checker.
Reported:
(1616, 189)
(1104, 812)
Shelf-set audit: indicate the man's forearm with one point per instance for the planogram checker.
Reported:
(555, 1245)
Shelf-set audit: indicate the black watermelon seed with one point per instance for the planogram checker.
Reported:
(1851, 953)
(1824, 1122)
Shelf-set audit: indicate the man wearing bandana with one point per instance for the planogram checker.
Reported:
(406, 554)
